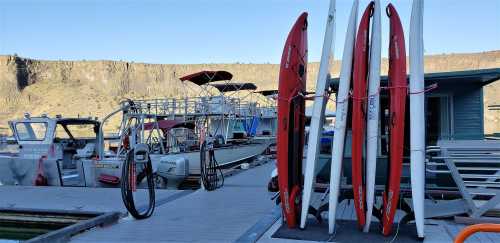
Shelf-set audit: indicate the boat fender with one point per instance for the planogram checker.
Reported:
(245, 166)
(109, 179)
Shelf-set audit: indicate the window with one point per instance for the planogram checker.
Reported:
(76, 131)
(31, 131)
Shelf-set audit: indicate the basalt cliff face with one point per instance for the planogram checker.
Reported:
(94, 88)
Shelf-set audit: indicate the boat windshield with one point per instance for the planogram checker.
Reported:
(31, 131)
(75, 131)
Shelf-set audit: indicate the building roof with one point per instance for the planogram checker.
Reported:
(478, 76)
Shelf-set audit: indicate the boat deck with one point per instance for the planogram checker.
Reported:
(241, 211)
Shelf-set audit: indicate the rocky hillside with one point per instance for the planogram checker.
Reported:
(94, 88)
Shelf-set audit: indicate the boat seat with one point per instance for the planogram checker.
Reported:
(85, 152)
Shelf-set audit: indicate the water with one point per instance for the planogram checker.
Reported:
(20, 226)
(16, 232)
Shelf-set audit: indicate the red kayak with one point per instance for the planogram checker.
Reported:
(360, 77)
(291, 119)
(397, 97)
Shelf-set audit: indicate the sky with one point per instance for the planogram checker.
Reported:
(218, 31)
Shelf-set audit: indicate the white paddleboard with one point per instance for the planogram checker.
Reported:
(372, 126)
(318, 113)
(417, 114)
(341, 118)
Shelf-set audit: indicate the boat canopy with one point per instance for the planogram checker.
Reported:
(77, 121)
(268, 92)
(230, 87)
(166, 125)
(205, 77)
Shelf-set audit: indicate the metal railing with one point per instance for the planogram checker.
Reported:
(474, 167)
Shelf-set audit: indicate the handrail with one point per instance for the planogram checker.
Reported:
(472, 229)
(100, 136)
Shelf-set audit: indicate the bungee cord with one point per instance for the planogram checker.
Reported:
(129, 184)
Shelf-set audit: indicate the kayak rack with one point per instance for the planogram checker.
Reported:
(474, 166)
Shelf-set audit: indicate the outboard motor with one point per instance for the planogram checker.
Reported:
(174, 168)
(141, 153)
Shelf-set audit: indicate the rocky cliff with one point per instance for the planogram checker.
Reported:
(94, 88)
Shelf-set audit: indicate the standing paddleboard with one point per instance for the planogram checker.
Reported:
(318, 113)
(341, 118)
(359, 112)
(372, 127)
(417, 114)
(291, 108)
(397, 96)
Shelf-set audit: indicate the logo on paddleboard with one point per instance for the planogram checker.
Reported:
(360, 191)
(287, 204)
(288, 55)
(396, 47)
(343, 113)
(371, 108)
(365, 38)
(389, 204)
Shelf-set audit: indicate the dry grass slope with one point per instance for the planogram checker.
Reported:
(94, 88)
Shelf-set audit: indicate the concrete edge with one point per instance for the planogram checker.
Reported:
(254, 233)
(50, 211)
(64, 234)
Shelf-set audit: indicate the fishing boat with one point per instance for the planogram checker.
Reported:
(48, 150)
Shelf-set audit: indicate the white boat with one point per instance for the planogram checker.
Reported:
(49, 148)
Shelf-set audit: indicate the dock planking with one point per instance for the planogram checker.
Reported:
(85, 199)
(223, 215)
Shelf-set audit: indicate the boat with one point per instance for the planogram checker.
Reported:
(173, 129)
(176, 128)
(49, 148)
